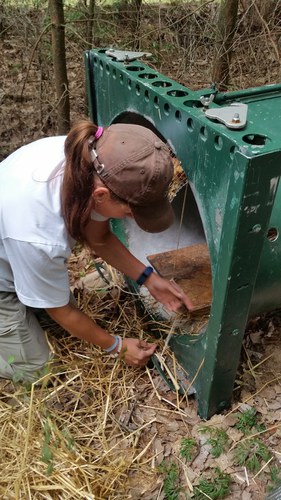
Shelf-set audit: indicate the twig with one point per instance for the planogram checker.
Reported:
(25, 451)
(185, 473)
(194, 378)
(143, 452)
(164, 367)
(253, 395)
(31, 57)
(255, 435)
(246, 476)
(168, 338)
(108, 397)
(263, 467)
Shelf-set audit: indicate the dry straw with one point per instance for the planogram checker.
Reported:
(88, 427)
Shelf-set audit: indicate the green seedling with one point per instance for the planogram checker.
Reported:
(188, 449)
(54, 439)
(251, 454)
(15, 69)
(275, 476)
(248, 421)
(47, 454)
(69, 440)
(215, 488)
(218, 440)
(171, 485)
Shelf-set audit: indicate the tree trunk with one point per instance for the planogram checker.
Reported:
(137, 4)
(225, 34)
(59, 61)
(90, 23)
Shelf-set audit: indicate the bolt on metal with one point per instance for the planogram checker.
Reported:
(236, 118)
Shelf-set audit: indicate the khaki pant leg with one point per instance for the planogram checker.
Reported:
(24, 349)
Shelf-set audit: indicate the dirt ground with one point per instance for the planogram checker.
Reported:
(102, 430)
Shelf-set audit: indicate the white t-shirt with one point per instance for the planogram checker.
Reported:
(34, 243)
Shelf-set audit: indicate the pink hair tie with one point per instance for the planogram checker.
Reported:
(98, 133)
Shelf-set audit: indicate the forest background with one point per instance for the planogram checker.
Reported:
(103, 431)
(234, 43)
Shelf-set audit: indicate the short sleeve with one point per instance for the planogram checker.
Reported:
(40, 273)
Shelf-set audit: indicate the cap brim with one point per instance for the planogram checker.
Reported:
(154, 218)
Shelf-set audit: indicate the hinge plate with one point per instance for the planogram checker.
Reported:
(126, 55)
(233, 116)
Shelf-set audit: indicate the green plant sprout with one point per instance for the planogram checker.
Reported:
(16, 68)
(218, 440)
(275, 476)
(47, 454)
(171, 486)
(247, 421)
(251, 453)
(69, 440)
(215, 488)
(53, 439)
(188, 449)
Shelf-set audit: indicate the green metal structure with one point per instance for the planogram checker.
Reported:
(234, 176)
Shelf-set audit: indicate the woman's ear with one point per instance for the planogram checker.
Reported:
(100, 194)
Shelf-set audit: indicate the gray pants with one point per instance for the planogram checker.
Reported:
(24, 350)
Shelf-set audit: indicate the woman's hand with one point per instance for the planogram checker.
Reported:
(167, 292)
(136, 352)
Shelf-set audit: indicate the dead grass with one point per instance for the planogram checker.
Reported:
(94, 428)
(87, 426)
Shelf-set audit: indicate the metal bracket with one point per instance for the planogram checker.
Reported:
(125, 55)
(233, 116)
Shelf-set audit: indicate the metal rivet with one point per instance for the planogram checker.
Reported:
(256, 228)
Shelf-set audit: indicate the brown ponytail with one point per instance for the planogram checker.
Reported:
(78, 179)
